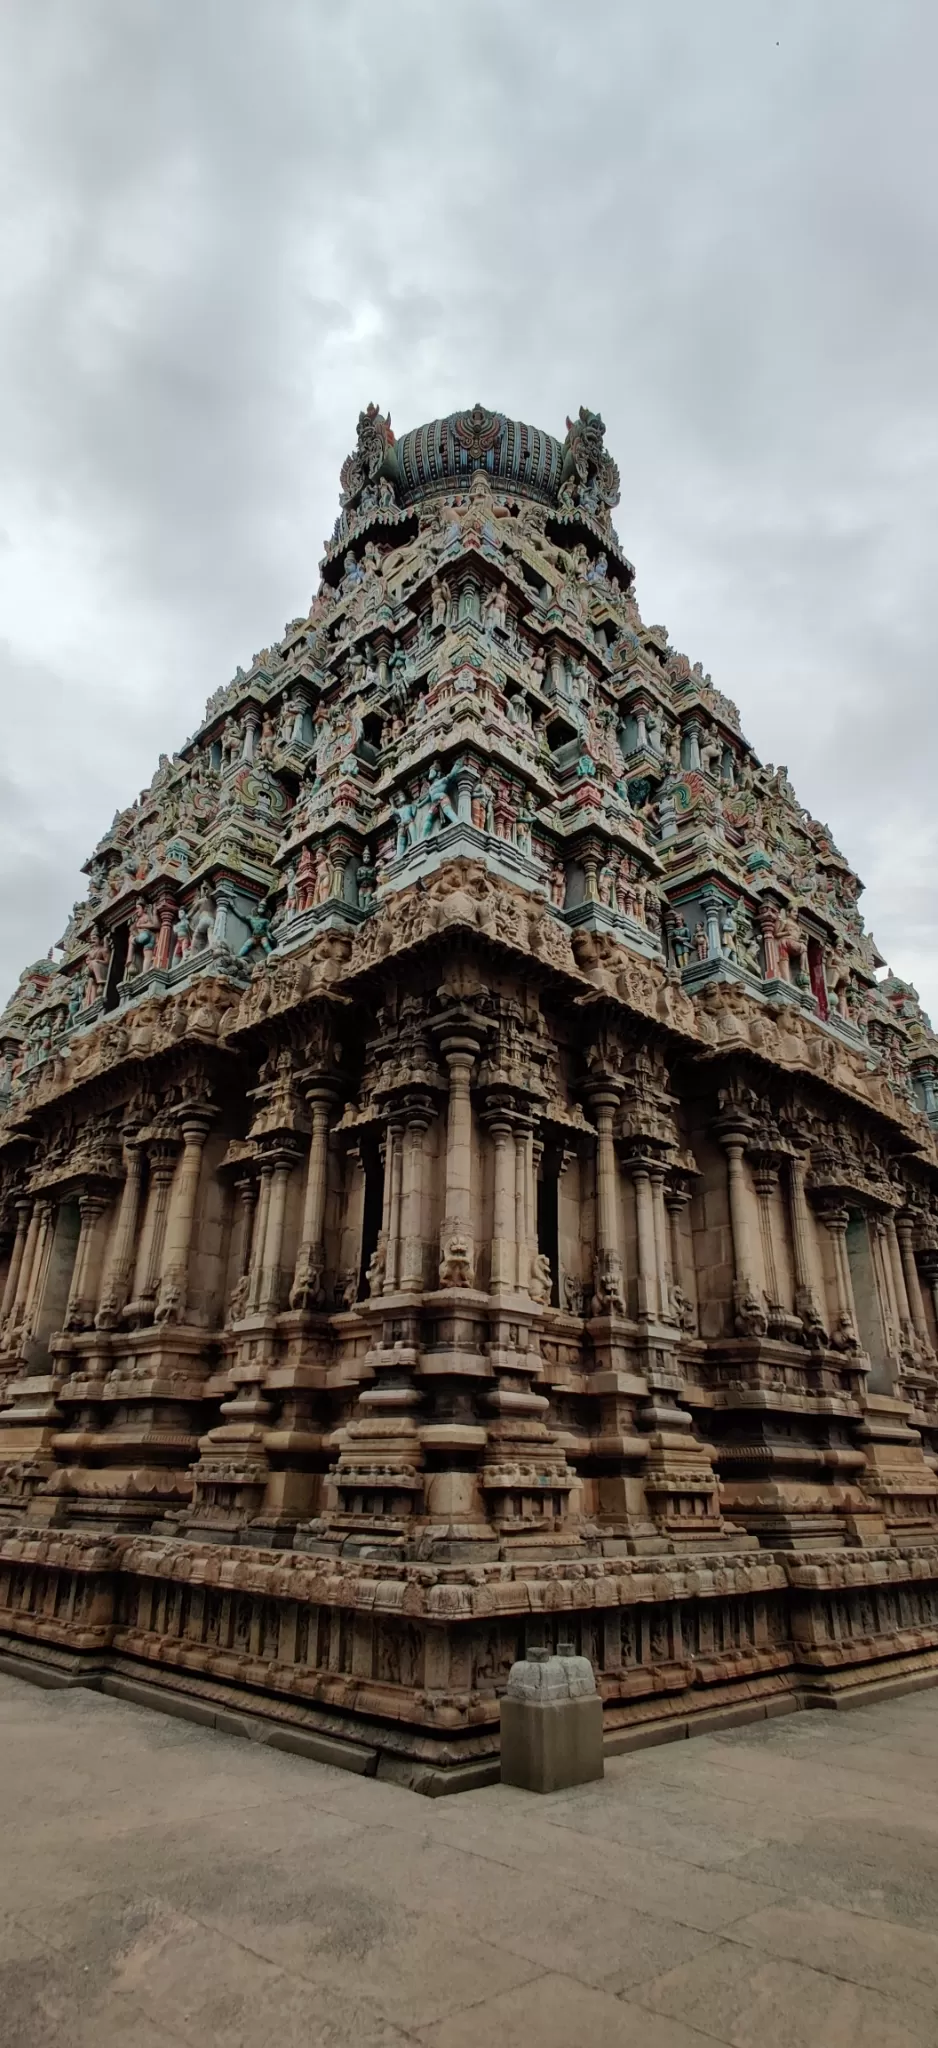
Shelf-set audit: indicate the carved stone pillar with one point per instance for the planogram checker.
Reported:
(18, 1305)
(79, 1313)
(930, 1269)
(271, 1282)
(119, 1266)
(457, 1257)
(913, 1285)
(162, 1163)
(393, 1191)
(246, 1192)
(522, 1248)
(749, 1314)
(768, 921)
(24, 1210)
(308, 1290)
(765, 1176)
(255, 1281)
(166, 912)
(663, 1247)
(504, 1250)
(676, 1200)
(646, 1240)
(900, 1294)
(609, 1296)
(412, 1275)
(807, 1305)
(174, 1280)
(710, 905)
(42, 1248)
(885, 1282)
(846, 1335)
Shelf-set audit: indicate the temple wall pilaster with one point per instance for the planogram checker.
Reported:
(259, 1240)
(240, 1244)
(647, 1278)
(308, 1290)
(609, 1295)
(270, 1289)
(503, 1262)
(845, 1329)
(904, 1232)
(683, 1271)
(86, 1272)
(37, 1272)
(748, 1287)
(173, 1295)
(119, 1258)
(161, 1154)
(24, 1214)
(457, 1235)
(804, 1250)
(899, 1291)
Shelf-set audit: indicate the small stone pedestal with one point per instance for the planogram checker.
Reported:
(552, 1723)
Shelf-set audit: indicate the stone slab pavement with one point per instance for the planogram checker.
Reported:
(775, 1886)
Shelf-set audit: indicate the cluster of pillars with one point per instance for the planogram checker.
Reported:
(514, 1222)
(152, 1236)
(514, 1211)
(32, 1250)
(658, 1207)
(262, 1217)
(743, 1226)
(891, 1241)
(900, 1286)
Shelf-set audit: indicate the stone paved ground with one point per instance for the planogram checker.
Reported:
(775, 1887)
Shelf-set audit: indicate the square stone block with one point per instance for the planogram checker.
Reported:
(545, 1748)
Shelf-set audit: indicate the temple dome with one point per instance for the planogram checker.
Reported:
(446, 453)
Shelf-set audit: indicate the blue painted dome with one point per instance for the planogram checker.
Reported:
(447, 453)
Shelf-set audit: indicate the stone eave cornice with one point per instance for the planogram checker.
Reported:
(638, 681)
(694, 704)
(165, 1034)
(704, 871)
(219, 864)
(606, 535)
(835, 1089)
(359, 527)
(291, 1018)
(248, 692)
(160, 1031)
(618, 831)
(469, 735)
(98, 1170)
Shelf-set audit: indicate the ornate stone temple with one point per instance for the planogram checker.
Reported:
(465, 1179)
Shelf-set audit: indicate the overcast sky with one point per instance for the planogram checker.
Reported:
(225, 225)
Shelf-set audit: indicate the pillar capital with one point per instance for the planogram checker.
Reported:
(418, 1112)
(733, 1131)
(195, 1123)
(499, 1114)
(834, 1215)
(459, 1047)
(603, 1094)
(282, 1155)
(321, 1092)
(162, 1154)
(639, 1161)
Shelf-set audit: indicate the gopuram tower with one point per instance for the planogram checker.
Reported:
(464, 1182)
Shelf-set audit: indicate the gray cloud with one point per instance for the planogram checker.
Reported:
(225, 227)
